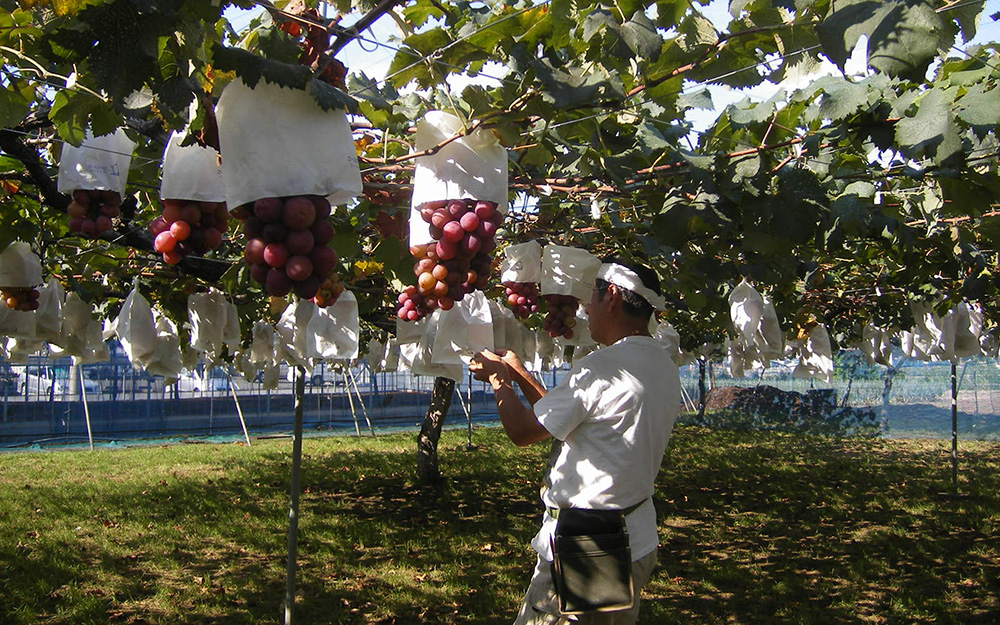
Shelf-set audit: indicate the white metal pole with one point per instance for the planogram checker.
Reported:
(239, 410)
(364, 411)
(293, 507)
(86, 407)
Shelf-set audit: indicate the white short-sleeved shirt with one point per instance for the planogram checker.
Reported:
(613, 414)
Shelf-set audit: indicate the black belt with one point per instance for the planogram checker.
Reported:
(554, 512)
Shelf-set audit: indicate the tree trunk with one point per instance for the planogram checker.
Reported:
(430, 431)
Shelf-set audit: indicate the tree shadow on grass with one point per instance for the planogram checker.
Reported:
(791, 529)
(373, 546)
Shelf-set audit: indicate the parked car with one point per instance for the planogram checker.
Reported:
(47, 379)
(214, 379)
(37, 382)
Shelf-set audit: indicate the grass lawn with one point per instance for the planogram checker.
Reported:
(755, 528)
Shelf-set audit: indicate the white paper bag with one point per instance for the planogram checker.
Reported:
(17, 324)
(875, 345)
(191, 172)
(463, 331)
(473, 166)
(19, 266)
(332, 333)
(166, 359)
(291, 328)
(746, 307)
(815, 356)
(278, 142)
(136, 329)
(375, 355)
(568, 271)
(968, 326)
(931, 341)
(48, 320)
(214, 323)
(82, 335)
(262, 343)
(417, 355)
(669, 335)
(391, 354)
(100, 163)
(522, 263)
(544, 348)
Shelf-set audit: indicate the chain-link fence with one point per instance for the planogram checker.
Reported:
(52, 402)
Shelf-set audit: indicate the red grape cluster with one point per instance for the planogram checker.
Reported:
(286, 245)
(91, 211)
(188, 227)
(329, 292)
(560, 318)
(457, 262)
(522, 297)
(24, 299)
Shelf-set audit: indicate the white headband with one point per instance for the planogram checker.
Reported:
(625, 278)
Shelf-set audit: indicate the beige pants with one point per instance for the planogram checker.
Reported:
(541, 606)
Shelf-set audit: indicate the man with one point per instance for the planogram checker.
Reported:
(611, 419)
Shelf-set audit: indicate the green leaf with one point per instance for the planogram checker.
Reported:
(568, 89)
(252, 68)
(277, 45)
(745, 112)
(13, 106)
(840, 98)
(331, 98)
(932, 131)
(596, 22)
(903, 35)
(747, 166)
(699, 99)
(980, 108)
(17, 27)
(966, 15)
(69, 113)
(421, 12)
(641, 37)
(695, 32)
(766, 244)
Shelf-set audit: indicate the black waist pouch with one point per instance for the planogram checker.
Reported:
(592, 562)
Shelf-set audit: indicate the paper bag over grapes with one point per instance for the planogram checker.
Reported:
(568, 275)
(459, 201)
(95, 175)
(195, 215)
(285, 161)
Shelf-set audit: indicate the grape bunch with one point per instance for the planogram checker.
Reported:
(560, 318)
(329, 291)
(91, 211)
(286, 247)
(188, 227)
(24, 299)
(456, 262)
(522, 297)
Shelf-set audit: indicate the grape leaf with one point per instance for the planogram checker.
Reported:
(697, 99)
(903, 35)
(932, 131)
(641, 37)
(13, 107)
(839, 98)
(980, 108)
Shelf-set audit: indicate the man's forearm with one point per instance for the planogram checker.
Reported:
(518, 420)
(530, 387)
